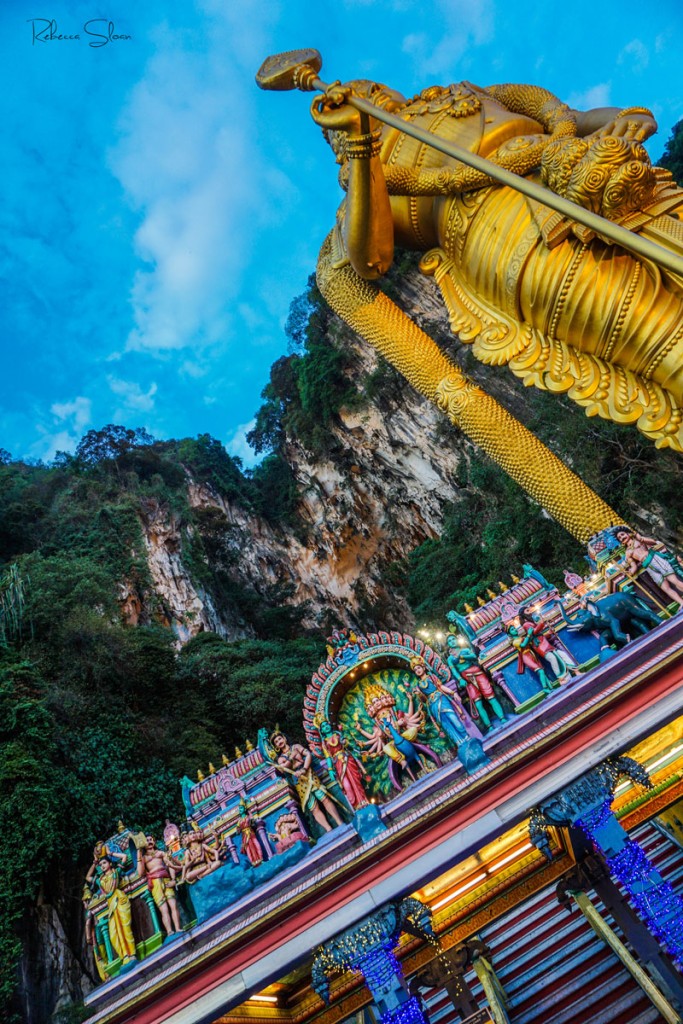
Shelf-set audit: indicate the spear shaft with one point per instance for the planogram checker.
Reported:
(635, 243)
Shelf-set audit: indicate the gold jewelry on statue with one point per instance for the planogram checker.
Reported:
(634, 110)
(305, 77)
(361, 147)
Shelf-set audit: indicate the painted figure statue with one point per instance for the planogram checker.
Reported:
(394, 734)
(246, 829)
(644, 553)
(520, 639)
(296, 762)
(440, 704)
(543, 642)
(105, 875)
(91, 933)
(529, 287)
(199, 858)
(160, 871)
(289, 830)
(474, 681)
(445, 709)
(343, 765)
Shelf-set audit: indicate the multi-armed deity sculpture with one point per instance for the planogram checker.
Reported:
(537, 267)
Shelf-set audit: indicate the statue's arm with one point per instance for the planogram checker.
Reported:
(368, 229)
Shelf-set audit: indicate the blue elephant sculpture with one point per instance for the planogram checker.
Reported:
(616, 617)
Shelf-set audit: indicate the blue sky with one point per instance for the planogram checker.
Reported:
(160, 212)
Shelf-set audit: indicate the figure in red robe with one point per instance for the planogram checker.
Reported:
(343, 765)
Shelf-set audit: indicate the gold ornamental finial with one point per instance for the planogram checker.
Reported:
(502, 587)
(468, 608)
(238, 752)
(249, 746)
(200, 775)
(491, 594)
(480, 601)
(225, 760)
(212, 770)
(515, 579)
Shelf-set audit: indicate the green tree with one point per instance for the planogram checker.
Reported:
(672, 157)
(111, 442)
(306, 389)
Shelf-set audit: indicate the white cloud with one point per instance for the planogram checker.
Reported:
(133, 396)
(594, 96)
(191, 368)
(237, 444)
(70, 420)
(635, 55)
(79, 411)
(458, 25)
(188, 162)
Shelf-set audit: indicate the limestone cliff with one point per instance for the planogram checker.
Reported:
(383, 495)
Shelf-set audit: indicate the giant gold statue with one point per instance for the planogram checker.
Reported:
(555, 299)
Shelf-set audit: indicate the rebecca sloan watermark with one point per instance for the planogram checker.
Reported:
(96, 33)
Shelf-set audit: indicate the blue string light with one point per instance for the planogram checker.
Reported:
(653, 898)
(383, 976)
(408, 1013)
(380, 967)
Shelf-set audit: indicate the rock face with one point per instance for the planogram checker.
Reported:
(52, 977)
(361, 512)
(383, 495)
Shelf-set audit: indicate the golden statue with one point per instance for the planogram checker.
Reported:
(547, 293)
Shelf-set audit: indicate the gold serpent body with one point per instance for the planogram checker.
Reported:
(545, 477)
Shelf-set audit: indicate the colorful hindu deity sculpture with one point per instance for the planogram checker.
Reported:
(91, 937)
(521, 639)
(289, 830)
(344, 766)
(160, 870)
(441, 705)
(473, 680)
(394, 734)
(543, 641)
(535, 289)
(644, 554)
(104, 876)
(246, 829)
(296, 762)
(199, 859)
(445, 709)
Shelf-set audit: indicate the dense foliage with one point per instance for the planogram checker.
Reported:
(308, 387)
(98, 719)
(672, 157)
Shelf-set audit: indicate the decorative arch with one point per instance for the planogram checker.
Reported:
(351, 657)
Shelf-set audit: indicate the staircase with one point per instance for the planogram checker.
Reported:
(553, 967)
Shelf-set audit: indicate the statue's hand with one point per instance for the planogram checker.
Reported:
(333, 111)
(634, 126)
